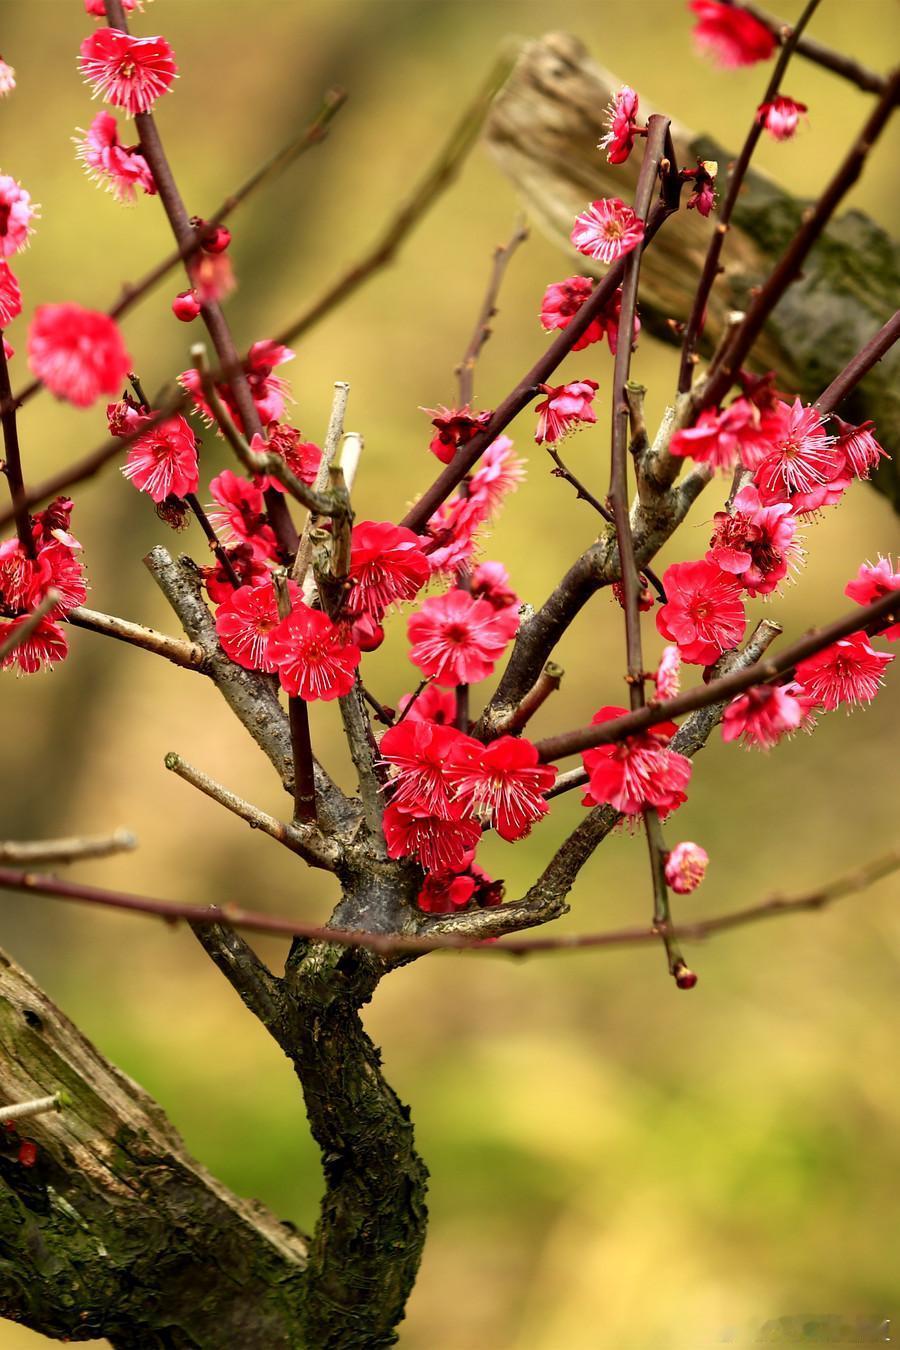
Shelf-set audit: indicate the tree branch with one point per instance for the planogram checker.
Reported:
(880, 614)
(815, 51)
(187, 654)
(41, 852)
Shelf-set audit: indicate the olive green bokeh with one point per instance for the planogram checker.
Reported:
(614, 1164)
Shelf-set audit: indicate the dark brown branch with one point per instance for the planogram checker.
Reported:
(13, 462)
(717, 384)
(298, 719)
(389, 944)
(815, 51)
(527, 388)
(856, 370)
(211, 312)
(880, 614)
(546, 684)
(735, 182)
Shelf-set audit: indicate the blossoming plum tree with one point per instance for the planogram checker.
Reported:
(285, 611)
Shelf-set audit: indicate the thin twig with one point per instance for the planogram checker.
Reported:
(736, 178)
(233, 917)
(211, 312)
(436, 179)
(815, 51)
(657, 132)
(301, 743)
(711, 392)
(42, 852)
(38, 1106)
(465, 371)
(180, 653)
(310, 844)
(546, 684)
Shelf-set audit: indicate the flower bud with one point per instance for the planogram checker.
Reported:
(186, 306)
(217, 240)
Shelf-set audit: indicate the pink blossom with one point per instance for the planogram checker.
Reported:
(490, 582)
(762, 716)
(872, 581)
(454, 427)
(445, 892)
(502, 784)
(7, 78)
(686, 866)
(25, 580)
(719, 437)
(638, 772)
(646, 599)
(41, 649)
(668, 673)
(730, 35)
(607, 230)
(248, 569)
(16, 214)
(302, 457)
(269, 391)
(859, 447)
(703, 195)
(163, 462)
(781, 117)
(77, 353)
(438, 843)
(129, 72)
(565, 406)
(10, 296)
(849, 671)
(212, 277)
(622, 125)
(246, 620)
(452, 529)
(432, 705)
(802, 465)
(313, 658)
(386, 565)
(121, 168)
(421, 755)
(458, 640)
(562, 301)
(243, 516)
(498, 473)
(704, 613)
(755, 543)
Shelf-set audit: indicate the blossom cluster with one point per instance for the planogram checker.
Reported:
(445, 785)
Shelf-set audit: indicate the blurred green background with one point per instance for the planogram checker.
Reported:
(614, 1164)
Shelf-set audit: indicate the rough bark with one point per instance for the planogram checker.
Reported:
(543, 132)
(115, 1230)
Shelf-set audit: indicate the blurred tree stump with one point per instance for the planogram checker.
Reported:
(543, 132)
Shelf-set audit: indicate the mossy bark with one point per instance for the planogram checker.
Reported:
(115, 1231)
(543, 132)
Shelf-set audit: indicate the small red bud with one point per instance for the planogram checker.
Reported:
(28, 1152)
(186, 306)
(217, 241)
(684, 978)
